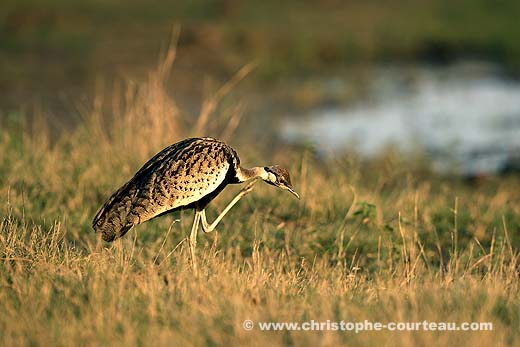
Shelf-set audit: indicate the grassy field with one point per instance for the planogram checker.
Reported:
(385, 240)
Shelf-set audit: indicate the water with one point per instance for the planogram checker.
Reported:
(466, 118)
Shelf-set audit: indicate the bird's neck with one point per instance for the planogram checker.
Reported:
(245, 174)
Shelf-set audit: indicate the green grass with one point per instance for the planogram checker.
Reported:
(63, 45)
(385, 240)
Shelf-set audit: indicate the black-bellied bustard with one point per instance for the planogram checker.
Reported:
(185, 175)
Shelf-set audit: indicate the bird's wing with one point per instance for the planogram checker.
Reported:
(161, 194)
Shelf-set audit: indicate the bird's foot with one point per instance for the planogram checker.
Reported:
(248, 187)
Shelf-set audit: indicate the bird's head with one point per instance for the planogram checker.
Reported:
(279, 177)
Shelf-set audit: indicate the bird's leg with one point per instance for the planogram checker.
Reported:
(193, 239)
(206, 227)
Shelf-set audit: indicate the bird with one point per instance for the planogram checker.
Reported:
(185, 175)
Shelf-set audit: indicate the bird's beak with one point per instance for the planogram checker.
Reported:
(293, 192)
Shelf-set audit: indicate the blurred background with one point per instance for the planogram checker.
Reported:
(435, 77)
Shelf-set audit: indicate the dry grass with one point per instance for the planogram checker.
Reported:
(382, 241)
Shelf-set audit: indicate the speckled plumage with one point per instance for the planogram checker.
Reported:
(187, 174)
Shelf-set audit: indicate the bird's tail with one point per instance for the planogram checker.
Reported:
(115, 217)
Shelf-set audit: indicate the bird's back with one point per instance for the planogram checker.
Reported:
(182, 175)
